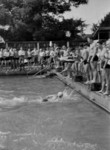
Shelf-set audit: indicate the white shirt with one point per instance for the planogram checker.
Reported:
(6, 54)
(29, 53)
(65, 53)
(11, 52)
(35, 52)
(21, 53)
(1, 54)
(52, 53)
(47, 52)
(41, 54)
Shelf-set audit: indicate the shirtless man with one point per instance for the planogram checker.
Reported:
(107, 68)
(102, 64)
(85, 56)
(92, 61)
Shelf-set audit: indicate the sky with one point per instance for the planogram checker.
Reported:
(93, 12)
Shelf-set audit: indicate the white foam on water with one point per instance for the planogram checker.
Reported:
(6, 102)
(66, 95)
(60, 143)
(5, 91)
(18, 101)
(12, 102)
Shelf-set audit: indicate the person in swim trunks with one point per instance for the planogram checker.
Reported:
(85, 56)
(107, 67)
(93, 59)
(102, 69)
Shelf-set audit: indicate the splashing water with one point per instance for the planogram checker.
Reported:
(16, 101)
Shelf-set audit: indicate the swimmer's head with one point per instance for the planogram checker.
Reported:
(60, 94)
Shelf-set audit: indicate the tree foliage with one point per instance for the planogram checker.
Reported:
(105, 22)
(95, 27)
(38, 19)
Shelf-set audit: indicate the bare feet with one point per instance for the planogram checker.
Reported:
(106, 93)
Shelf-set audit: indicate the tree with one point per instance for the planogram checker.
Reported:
(95, 27)
(36, 18)
(105, 22)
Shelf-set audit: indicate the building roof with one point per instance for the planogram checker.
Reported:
(101, 29)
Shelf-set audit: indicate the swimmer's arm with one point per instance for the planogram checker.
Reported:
(50, 96)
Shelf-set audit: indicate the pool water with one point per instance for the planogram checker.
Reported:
(28, 124)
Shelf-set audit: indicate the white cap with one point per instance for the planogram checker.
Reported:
(60, 94)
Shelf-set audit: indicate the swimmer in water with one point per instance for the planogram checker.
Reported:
(56, 97)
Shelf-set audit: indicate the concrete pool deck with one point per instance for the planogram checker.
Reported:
(99, 99)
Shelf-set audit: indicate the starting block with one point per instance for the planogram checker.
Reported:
(59, 69)
(78, 78)
(95, 86)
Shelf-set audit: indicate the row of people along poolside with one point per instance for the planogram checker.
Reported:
(13, 58)
(92, 60)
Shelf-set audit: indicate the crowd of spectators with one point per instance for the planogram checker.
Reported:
(91, 60)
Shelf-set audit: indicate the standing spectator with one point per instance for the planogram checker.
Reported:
(21, 54)
(35, 53)
(107, 68)
(16, 58)
(102, 68)
(11, 51)
(94, 62)
(6, 57)
(1, 57)
(29, 56)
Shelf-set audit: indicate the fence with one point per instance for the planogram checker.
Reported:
(43, 44)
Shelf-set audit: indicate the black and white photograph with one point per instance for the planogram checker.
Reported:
(54, 74)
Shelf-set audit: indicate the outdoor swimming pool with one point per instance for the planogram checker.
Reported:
(28, 124)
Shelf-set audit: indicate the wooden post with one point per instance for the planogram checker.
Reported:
(109, 34)
(99, 36)
(6, 45)
(68, 44)
(38, 47)
(50, 44)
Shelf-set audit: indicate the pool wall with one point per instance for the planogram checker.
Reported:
(100, 100)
